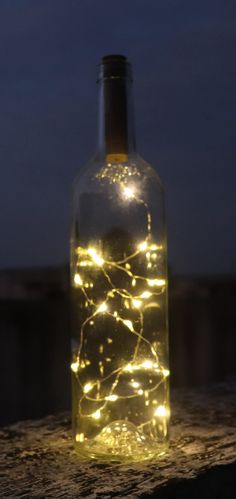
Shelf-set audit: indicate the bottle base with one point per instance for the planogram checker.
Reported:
(121, 442)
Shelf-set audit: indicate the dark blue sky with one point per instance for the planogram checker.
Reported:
(183, 57)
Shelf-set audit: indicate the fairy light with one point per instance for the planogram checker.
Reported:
(77, 280)
(143, 246)
(146, 294)
(147, 364)
(130, 315)
(111, 398)
(155, 247)
(128, 192)
(102, 308)
(85, 263)
(79, 437)
(88, 387)
(128, 324)
(74, 366)
(161, 411)
(135, 384)
(136, 303)
(95, 257)
(156, 282)
(96, 414)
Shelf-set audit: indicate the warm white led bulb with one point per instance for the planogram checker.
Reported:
(146, 294)
(87, 387)
(79, 437)
(136, 303)
(95, 257)
(102, 308)
(160, 411)
(142, 246)
(96, 414)
(128, 192)
(74, 366)
(111, 398)
(156, 282)
(135, 384)
(77, 280)
(147, 364)
(128, 324)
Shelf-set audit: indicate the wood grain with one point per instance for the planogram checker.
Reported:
(37, 459)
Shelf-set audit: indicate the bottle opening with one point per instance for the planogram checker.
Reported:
(114, 66)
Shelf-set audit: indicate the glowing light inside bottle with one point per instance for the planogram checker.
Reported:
(74, 366)
(102, 308)
(121, 310)
(96, 414)
(77, 280)
(143, 246)
(136, 303)
(156, 282)
(161, 411)
(128, 324)
(146, 294)
(79, 437)
(87, 387)
(111, 398)
(95, 257)
(128, 192)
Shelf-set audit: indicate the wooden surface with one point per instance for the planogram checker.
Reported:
(37, 459)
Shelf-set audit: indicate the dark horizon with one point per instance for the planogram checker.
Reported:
(182, 63)
(212, 276)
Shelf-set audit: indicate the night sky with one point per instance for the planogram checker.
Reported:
(183, 58)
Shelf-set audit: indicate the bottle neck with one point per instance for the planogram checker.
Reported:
(116, 137)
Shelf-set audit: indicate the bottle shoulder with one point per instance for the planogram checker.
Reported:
(97, 172)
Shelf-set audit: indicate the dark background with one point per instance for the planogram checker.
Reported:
(183, 57)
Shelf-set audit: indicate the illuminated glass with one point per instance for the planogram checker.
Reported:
(119, 365)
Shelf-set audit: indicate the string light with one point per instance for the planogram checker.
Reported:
(128, 324)
(102, 308)
(128, 192)
(111, 398)
(160, 411)
(74, 366)
(143, 246)
(77, 280)
(88, 387)
(79, 437)
(146, 294)
(96, 414)
(156, 282)
(95, 257)
(134, 305)
(135, 384)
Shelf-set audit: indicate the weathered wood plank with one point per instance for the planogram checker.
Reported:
(37, 459)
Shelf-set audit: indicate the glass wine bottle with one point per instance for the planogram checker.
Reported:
(120, 375)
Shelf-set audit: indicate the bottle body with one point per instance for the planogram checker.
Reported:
(119, 366)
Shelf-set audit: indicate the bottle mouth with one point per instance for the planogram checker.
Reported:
(114, 66)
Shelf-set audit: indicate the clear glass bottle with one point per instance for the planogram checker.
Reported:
(119, 366)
